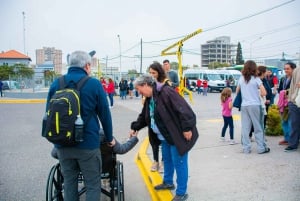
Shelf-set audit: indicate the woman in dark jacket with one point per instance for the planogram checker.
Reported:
(173, 122)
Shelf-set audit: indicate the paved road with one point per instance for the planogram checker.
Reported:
(218, 171)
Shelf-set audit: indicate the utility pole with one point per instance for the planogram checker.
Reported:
(120, 57)
(141, 57)
(24, 32)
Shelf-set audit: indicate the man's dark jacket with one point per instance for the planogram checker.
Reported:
(175, 115)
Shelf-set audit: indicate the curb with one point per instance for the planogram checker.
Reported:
(151, 179)
(12, 101)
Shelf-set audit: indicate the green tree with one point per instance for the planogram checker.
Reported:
(215, 64)
(15, 71)
(49, 77)
(239, 55)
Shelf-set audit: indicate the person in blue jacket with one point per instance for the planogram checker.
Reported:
(85, 156)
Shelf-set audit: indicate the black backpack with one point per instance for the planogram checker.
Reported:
(64, 107)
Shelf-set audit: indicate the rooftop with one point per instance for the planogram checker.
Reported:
(13, 54)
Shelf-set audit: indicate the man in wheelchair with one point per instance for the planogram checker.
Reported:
(112, 171)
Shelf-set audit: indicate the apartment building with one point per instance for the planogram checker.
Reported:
(50, 54)
(218, 50)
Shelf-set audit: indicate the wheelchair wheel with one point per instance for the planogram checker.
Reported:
(119, 190)
(54, 191)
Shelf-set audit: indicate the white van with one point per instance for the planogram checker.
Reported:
(212, 76)
(232, 75)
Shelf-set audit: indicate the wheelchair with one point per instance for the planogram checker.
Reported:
(112, 171)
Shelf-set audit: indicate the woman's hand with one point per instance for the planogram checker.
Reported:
(133, 133)
(112, 143)
(188, 135)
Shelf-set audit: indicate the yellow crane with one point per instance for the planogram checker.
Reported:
(181, 87)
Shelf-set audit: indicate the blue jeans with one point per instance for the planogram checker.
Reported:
(228, 121)
(111, 99)
(199, 90)
(123, 94)
(294, 116)
(286, 127)
(174, 161)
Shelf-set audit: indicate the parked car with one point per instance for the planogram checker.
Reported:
(9, 84)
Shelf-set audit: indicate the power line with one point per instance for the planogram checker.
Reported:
(228, 23)
(283, 28)
(249, 16)
(210, 29)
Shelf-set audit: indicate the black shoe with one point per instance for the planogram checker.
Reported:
(180, 197)
(267, 150)
(164, 186)
(290, 149)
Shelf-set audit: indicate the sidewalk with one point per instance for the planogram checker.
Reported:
(221, 172)
(217, 171)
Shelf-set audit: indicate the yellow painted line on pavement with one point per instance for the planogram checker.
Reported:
(21, 101)
(151, 179)
(235, 117)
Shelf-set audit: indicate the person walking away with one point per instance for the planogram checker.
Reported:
(174, 126)
(171, 75)
(199, 85)
(1, 88)
(111, 91)
(226, 102)
(130, 86)
(123, 89)
(283, 90)
(273, 83)
(294, 110)
(205, 87)
(85, 156)
(251, 88)
(103, 82)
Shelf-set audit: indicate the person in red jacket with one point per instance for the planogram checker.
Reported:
(205, 87)
(110, 90)
(199, 85)
(103, 82)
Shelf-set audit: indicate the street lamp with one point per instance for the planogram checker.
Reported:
(120, 56)
(252, 44)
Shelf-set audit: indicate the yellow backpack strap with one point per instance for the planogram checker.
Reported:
(167, 81)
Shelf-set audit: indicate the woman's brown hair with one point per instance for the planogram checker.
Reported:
(250, 69)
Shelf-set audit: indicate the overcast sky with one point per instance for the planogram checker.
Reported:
(87, 25)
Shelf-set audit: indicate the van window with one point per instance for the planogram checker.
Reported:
(192, 76)
(213, 77)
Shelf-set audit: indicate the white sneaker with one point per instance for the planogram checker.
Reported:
(232, 142)
(222, 139)
(154, 166)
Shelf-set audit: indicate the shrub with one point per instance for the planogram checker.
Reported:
(273, 125)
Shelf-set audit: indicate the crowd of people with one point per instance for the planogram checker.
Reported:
(259, 88)
(171, 127)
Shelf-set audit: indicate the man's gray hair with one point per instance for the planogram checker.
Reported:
(80, 59)
(144, 79)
